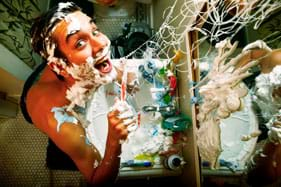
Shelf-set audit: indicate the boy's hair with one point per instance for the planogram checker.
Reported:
(45, 24)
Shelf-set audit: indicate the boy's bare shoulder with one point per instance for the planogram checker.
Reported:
(40, 100)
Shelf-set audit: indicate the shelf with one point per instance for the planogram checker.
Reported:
(144, 172)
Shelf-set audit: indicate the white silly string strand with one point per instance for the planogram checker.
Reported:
(172, 33)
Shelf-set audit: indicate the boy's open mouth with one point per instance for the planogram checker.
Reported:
(104, 66)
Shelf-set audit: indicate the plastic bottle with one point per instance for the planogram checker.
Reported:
(173, 162)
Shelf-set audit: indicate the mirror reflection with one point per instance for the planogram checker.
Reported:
(237, 101)
(160, 92)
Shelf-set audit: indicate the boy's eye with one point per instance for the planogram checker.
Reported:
(95, 32)
(80, 43)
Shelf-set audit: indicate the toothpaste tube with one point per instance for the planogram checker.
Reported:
(137, 163)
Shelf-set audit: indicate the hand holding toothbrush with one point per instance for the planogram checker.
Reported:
(125, 112)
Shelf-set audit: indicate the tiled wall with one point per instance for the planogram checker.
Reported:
(22, 157)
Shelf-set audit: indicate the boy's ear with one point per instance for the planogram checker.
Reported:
(58, 68)
(64, 73)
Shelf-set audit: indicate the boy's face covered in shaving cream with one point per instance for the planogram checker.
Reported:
(85, 49)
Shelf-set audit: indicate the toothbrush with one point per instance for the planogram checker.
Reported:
(124, 85)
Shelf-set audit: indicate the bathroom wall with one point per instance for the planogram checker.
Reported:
(17, 59)
(13, 72)
(12, 87)
(16, 20)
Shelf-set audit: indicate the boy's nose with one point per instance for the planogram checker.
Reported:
(99, 44)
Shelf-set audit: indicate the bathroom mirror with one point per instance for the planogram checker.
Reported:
(234, 128)
(238, 132)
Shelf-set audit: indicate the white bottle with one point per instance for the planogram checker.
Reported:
(173, 162)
